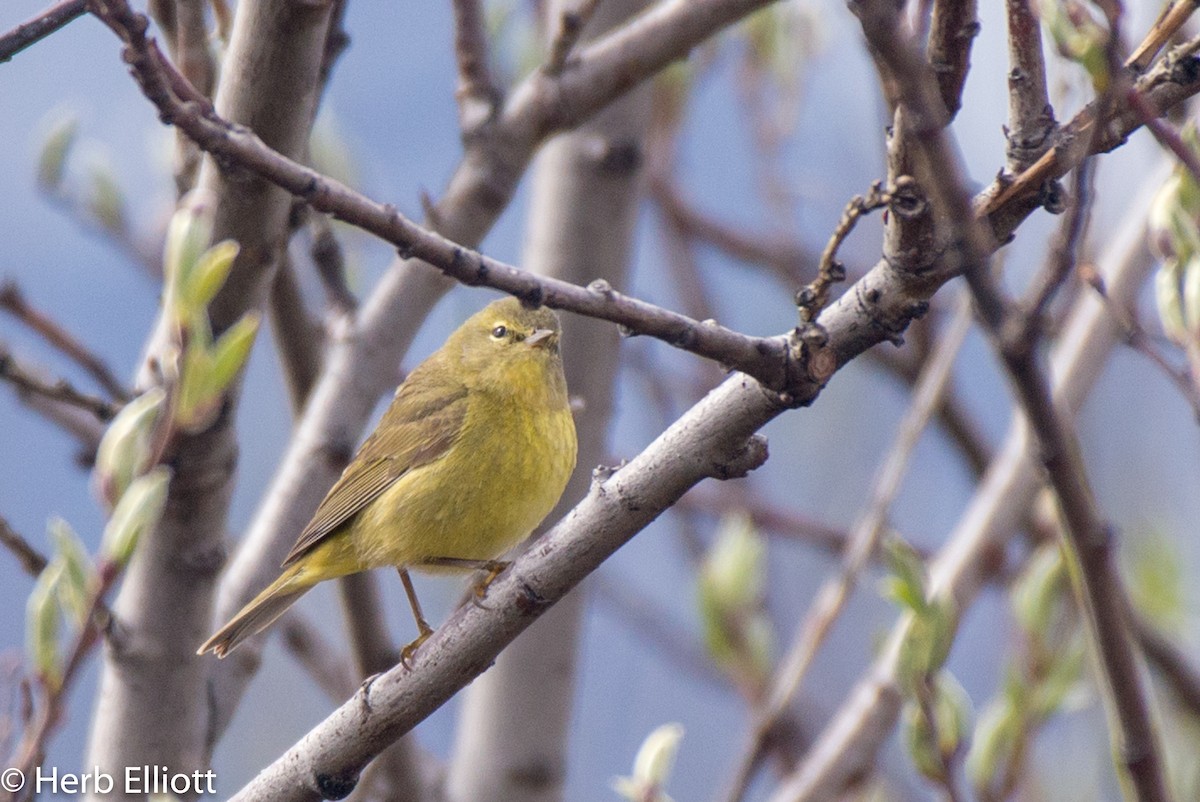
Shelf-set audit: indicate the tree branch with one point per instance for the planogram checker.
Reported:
(857, 731)
(39, 27)
(862, 543)
(31, 560)
(878, 307)
(952, 31)
(29, 383)
(764, 358)
(13, 302)
(153, 707)
(1031, 123)
(477, 93)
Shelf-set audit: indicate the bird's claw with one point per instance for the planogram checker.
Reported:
(406, 654)
(494, 569)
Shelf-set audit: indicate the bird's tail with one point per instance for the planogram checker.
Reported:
(259, 613)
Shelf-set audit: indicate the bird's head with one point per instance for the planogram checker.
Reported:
(509, 344)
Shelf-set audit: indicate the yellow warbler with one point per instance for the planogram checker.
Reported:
(473, 452)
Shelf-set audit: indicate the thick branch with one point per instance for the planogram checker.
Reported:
(1031, 122)
(156, 711)
(952, 30)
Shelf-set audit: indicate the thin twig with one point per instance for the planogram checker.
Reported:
(1137, 338)
(298, 336)
(31, 560)
(1167, 25)
(569, 29)
(1177, 671)
(1063, 252)
(13, 302)
(814, 297)
(1166, 134)
(318, 657)
(860, 546)
(39, 27)
(330, 261)
(59, 390)
(336, 42)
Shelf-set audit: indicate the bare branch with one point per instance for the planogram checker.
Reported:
(39, 27)
(13, 302)
(29, 383)
(765, 358)
(569, 27)
(297, 335)
(305, 643)
(858, 730)
(862, 543)
(1031, 123)
(1167, 25)
(31, 560)
(814, 297)
(477, 93)
(952, 30)
(1177, 671)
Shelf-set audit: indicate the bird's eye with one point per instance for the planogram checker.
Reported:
(499, 332)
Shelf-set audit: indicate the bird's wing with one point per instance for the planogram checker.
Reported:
(423, 421)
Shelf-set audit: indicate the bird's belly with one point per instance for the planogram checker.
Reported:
(496, 500)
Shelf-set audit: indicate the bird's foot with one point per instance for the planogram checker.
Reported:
(494, 569)
(406, 654)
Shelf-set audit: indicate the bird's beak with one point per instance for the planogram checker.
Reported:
(542, 338)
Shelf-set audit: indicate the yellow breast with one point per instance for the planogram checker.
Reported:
(503, 475)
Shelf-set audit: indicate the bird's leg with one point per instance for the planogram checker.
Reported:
(423, 627)
(494, 569)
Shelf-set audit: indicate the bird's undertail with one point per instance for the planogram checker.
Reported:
(257, 615)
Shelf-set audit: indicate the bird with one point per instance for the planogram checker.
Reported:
(473, 452)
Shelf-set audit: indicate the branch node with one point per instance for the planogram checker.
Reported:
(530, 602)
(752, 454)
(333, 787)
(602, 288)
(907, 200)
